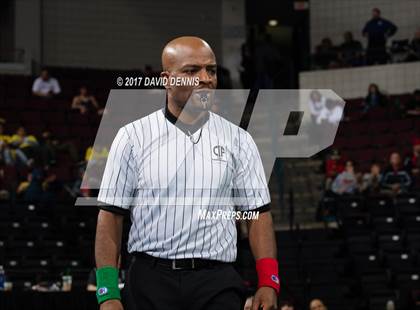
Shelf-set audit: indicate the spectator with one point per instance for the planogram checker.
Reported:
(38, 187)
(5, 152)
(50, 146)
(316, 106)
(346, 182)
(332, 112)
(334, 165)
(412, 163)
(25, 147)
(396, 179)
(317, 304)
(325, 54)
(374, 98)
(86, 103)
(371, 183)
(45, 86)
(414, 53)
(350, 51)
(377, 31)
(286, 305)
(413, 105)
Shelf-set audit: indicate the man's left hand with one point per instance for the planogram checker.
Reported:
(265, 298)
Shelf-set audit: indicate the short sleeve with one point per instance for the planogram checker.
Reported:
(36, 85)
(250, 190)
(56, 87)
(120, 177)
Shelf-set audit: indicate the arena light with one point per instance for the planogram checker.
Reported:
(273, 22)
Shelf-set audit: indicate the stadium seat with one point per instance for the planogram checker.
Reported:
(386, 225)
(400, 262)
(391, 242)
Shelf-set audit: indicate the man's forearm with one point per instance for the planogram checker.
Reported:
(108, 239)
(261, 237)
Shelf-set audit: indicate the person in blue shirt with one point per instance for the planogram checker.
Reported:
(377, 31)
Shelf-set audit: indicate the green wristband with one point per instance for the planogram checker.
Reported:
(107, 284)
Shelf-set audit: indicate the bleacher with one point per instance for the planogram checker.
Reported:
(373, 257)
(373, 136)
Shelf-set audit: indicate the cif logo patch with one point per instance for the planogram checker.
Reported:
(218, 152)
(275, 279)
(102, 291)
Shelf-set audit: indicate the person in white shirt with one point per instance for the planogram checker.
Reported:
(45, 86)
(316, 106)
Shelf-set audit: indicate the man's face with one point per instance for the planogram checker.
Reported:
(44, 75)
(349, 167)
(416, 148)
(317, 305)
(192, 63)
(376, 13)
(375, 169)
(395, 159)
(21, 132)
(287, 307)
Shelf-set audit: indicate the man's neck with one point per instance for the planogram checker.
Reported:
(184, 116)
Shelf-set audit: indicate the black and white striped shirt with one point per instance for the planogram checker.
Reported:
(164, 178)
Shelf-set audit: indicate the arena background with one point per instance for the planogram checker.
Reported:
(350, 239)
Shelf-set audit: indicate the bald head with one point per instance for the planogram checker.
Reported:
(183, 49)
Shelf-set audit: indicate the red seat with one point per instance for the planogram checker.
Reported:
(385, 140)
(55, 118)
(378, 128)
(31, 117)
(402, 125)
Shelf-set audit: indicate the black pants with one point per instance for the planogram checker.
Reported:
(150, 286)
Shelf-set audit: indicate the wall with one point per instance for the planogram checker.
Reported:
(353, 83)
(28, 30)
(124, 34)
(331, 18)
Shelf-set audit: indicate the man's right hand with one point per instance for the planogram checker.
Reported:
(113, 304)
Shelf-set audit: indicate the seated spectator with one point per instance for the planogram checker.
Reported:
(396, 179)
(351, 51)
(45, 86)
(414, 53)
(371, 182)
(317, 304)
(24, 147)
(412, 163)
(334, 165)
(325, 54)
(50, 146)
(413, 105)
(332, 112)
(38, 187)
(5, 152)
(86, 103)
(374, 98)
(346, 182)
(286, 305)
(316, 106)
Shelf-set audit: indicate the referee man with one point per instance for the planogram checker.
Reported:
(167, 168)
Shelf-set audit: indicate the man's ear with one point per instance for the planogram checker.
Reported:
(165, 74)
